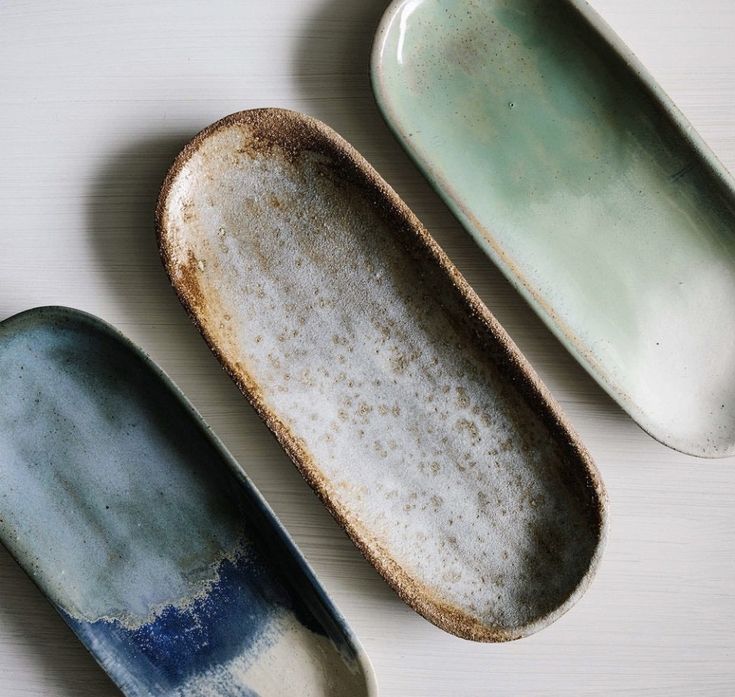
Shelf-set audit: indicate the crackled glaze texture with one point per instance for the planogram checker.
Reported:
(401, 400)
(581, 180)
(134, 522)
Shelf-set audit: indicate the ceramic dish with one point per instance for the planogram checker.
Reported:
(580, 179)
(400, 399)
(143, 532)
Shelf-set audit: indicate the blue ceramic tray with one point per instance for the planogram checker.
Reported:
(144, 533)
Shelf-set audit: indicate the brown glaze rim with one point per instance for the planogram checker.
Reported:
(293, 133)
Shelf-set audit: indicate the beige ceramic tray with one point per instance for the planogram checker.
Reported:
(393, 389)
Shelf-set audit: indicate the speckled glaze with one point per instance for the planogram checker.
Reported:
(581, 180)
(393, 389)
(143, 532)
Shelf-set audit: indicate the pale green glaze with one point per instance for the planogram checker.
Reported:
(579, 178)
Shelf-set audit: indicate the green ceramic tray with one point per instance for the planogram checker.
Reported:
(581, 180)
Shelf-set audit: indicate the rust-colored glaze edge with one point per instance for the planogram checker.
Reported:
(287, 128)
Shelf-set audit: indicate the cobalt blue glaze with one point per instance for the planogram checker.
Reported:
(144, 533)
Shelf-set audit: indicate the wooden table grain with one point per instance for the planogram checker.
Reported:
(97, 97)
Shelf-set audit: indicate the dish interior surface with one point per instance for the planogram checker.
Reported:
(581, 180)
(408, 417)
(132, 520)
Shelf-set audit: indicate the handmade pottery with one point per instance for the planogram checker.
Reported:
(581, 180)
(144, 533)
(399, 397)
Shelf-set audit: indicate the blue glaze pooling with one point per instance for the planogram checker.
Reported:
(141, 530)
(184, 642)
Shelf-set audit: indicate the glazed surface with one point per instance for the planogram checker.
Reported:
(586, 187)
(365, 364)
(127, 515)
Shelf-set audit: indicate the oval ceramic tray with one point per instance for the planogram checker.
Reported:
(143, 532)
(400, 399)
(578, 177)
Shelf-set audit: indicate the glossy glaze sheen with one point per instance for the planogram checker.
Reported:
(144, 534)
(581, 180)
(395, 392)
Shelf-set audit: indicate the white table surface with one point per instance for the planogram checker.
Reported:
(95, 100)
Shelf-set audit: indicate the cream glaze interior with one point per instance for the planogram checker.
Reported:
(410, 426)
